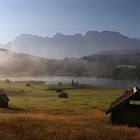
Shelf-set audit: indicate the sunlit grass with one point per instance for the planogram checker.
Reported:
(58, 124)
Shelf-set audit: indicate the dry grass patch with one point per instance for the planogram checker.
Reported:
(58, 124)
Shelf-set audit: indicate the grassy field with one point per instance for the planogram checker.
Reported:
(36, 113)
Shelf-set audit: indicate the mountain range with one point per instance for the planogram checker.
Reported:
(101, 54)
(78, 45)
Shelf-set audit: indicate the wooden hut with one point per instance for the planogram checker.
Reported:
(63, 95)
(4, 100)
(126, 108)
(59, 90)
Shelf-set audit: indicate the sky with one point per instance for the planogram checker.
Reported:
(47, 17)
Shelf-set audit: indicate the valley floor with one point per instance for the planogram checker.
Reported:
(36, 113)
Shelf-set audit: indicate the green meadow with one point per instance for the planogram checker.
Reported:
(40, 96)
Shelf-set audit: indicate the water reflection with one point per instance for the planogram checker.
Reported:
(83, 80)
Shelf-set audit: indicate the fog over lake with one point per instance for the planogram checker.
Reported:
(101, 82)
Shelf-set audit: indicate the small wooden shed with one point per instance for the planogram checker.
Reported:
(126, 108)
(3, 99)
(59, 90)
(63, 95)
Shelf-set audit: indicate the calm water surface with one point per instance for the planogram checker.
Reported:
(83, 80)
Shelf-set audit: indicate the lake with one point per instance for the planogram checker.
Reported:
(101, 82)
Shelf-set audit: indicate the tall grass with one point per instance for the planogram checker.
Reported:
(66, 124)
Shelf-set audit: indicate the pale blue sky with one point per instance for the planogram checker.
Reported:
(47, 17)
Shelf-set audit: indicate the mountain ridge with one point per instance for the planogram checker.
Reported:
(77, 45)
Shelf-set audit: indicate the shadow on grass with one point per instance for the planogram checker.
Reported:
(12, 110)
(16, 109)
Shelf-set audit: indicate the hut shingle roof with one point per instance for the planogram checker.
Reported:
(123, 98)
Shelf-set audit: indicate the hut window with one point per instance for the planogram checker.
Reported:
(132, 102)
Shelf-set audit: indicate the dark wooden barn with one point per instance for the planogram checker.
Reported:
(126, 108)
(4, 100)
